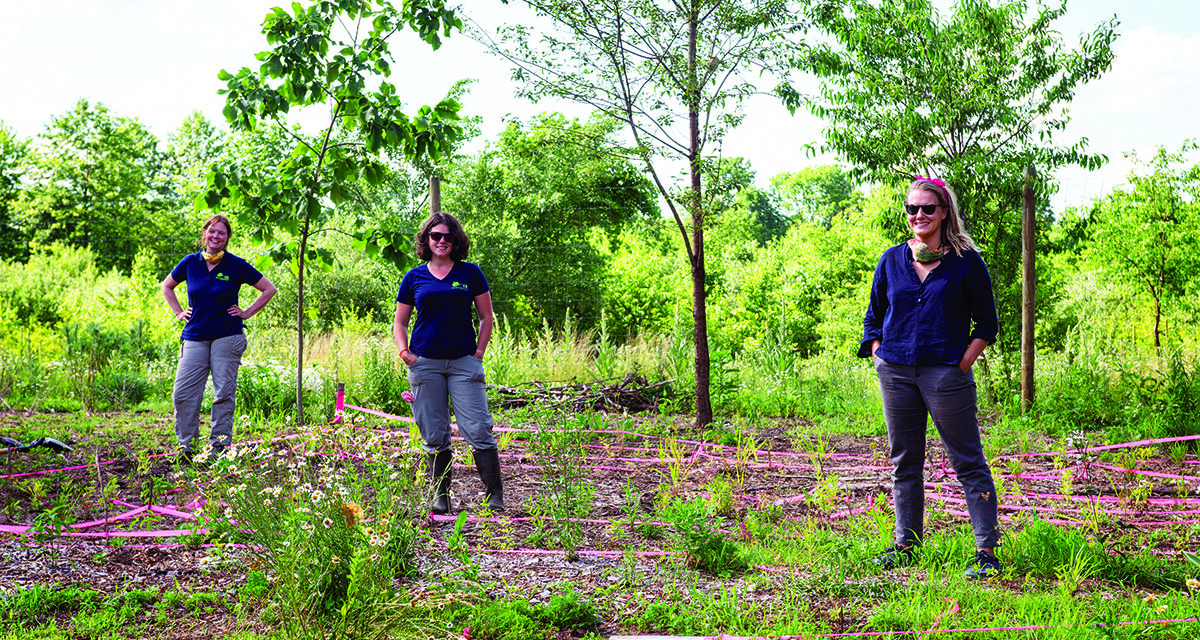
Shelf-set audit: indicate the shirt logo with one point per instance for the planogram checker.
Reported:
(222, 276)
(458, 285)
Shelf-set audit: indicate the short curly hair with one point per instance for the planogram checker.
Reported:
(458, 237)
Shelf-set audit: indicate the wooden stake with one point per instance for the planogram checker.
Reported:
(435, 194)
(1028, 289)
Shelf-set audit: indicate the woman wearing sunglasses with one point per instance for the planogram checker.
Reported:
(444, 357)
(931, 314)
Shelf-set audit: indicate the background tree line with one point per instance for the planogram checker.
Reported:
(575, 219)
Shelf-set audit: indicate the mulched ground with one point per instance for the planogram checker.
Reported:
(783, 473)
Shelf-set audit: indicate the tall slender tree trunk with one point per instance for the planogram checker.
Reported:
(300, 325)
(704, 411)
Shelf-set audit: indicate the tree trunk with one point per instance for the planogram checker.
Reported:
(300, 324)
(704, 412)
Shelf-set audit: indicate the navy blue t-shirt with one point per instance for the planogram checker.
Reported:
(445, 327)
(931, 321)
(211, 293)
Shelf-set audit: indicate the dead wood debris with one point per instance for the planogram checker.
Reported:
(631, 393)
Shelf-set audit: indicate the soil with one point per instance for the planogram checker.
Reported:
(784, 473)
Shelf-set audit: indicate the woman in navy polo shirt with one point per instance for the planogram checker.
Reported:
(931, 314)
(212, 340)
(444, 358)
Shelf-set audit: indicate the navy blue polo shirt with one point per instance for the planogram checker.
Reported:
(445, 327)
(211, 293)
(930, 322)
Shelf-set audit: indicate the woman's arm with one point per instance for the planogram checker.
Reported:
(972, 354)
(266, 291)
(876, 310)
(483, 305)
(400, 332)
(168, 292)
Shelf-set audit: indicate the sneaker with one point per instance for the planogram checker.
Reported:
(985, 565)
(894, 557)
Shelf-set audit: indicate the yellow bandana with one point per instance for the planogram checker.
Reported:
(213, 258)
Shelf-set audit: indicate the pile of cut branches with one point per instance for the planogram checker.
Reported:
(630, 393)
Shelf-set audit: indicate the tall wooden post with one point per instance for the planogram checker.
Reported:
(1028, 282)
(435, 194)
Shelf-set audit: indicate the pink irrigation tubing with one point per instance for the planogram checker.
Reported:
(1118, 512)
(1107, 447)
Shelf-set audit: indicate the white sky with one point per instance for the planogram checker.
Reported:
(157, 60)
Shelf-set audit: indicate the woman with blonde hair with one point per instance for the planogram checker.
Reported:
(932, 313)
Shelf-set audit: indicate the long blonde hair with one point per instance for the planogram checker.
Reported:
(953, 230)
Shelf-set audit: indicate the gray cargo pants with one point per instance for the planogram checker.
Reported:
(197, 358)
(436, 383)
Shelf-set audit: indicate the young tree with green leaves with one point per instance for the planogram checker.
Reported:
(1149, 238)
(973, 96)
(331, 54)
(675, 73)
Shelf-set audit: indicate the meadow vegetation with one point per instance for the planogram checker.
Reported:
(755, 523)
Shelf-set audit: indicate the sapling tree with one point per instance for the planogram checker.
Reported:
(675, 73)
(331, 54)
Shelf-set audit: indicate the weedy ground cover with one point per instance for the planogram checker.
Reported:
(616, 523)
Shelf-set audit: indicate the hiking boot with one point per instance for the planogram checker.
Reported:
(894, 557)
(985, 565)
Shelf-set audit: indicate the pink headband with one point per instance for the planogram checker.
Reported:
(941, 185)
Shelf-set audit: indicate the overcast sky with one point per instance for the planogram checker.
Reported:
(157, 61)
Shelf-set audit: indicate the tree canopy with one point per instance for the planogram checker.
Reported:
(973, 97)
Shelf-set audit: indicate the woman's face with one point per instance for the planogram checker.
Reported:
(927, 226)
(216, 237)
(443, 246)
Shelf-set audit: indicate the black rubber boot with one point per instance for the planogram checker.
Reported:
(488, 463)
(439, 477)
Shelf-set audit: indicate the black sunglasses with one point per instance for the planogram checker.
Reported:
(438, 236)
(927, 209)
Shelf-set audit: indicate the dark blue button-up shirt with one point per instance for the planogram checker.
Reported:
(930, 322)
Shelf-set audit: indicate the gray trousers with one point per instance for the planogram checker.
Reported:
(435, 383)
(910, 393)
(197, 358)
